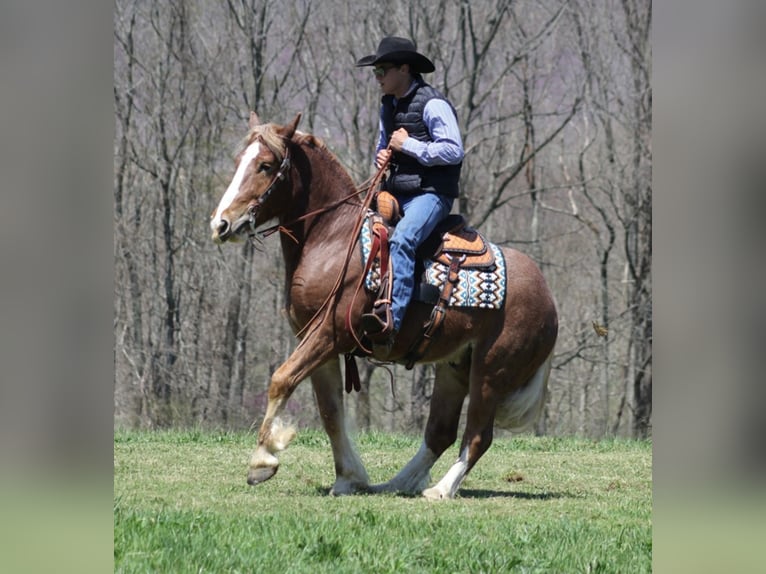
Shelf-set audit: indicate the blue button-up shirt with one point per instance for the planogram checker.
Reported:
(447, 145)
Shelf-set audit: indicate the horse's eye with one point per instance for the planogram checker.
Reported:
(264, 167)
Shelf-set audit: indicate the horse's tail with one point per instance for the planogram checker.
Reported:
(521, 408)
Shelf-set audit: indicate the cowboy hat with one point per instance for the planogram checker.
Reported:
(398, 51)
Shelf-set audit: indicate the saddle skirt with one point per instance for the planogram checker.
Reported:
(481, 276)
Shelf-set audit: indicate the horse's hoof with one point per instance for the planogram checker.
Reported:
(260, 474)
(346, 487)
(435, 494)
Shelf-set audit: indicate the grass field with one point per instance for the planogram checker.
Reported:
(181, 504)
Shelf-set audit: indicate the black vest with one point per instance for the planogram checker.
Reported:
(407, 175)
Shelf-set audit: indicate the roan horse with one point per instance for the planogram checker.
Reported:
(500, 359)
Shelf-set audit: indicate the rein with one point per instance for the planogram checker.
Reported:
(313, 323)
(253, 209)
(283, 227)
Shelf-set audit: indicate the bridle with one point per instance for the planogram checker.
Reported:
(282, 174)
(255, 206)
(284, 167)
(369, 187)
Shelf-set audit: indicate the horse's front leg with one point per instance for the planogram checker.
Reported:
(274, 436)
(350, 475)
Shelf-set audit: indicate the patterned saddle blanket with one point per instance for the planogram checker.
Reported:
(482, 285)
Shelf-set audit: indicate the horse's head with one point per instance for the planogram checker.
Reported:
(261, 168)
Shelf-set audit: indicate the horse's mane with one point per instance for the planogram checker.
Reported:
(316, 143)
(269, 136)
(276, 143)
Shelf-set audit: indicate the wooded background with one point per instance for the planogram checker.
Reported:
(554, 101)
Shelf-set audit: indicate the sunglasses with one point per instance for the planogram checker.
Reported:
(380, 71)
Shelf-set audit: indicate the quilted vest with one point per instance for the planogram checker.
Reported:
(408, 176)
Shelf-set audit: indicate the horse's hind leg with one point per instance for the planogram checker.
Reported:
(350, 475)
(476, 439)
(450, 389)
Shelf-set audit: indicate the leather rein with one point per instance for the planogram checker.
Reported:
(283, 174)
(352, 373)
(313, 323)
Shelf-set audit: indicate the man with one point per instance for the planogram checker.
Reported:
(420, 135)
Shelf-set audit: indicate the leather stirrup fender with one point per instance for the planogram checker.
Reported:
(431, 327)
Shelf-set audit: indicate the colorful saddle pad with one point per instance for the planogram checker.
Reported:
(484, 288)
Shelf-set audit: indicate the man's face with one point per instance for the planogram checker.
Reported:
(394, 79)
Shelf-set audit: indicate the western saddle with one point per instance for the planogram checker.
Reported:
(452, 244)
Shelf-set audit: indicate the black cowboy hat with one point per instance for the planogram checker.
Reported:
(398, 51)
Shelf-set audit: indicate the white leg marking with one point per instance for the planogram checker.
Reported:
(262, 457)
(448, 486)
(414, 477)
(231, 192)
(353, 477)
(281, 436)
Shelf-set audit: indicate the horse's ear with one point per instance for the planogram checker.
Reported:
(254, 120)
(290, 128)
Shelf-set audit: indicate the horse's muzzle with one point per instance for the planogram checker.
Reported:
(222, 232)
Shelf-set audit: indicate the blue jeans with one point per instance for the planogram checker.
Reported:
(420, 215)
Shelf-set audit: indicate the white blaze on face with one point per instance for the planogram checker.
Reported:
(231, 192)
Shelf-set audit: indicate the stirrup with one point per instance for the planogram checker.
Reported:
(379, 325)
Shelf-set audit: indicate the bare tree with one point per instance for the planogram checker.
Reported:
(554, 102)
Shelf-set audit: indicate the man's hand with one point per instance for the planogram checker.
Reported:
(398, 138)
(383, 156)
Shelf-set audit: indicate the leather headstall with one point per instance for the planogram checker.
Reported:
(254, 207)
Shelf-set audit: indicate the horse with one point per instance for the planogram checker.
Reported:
(499, 358)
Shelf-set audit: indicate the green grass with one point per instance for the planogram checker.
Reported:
(530, 505)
